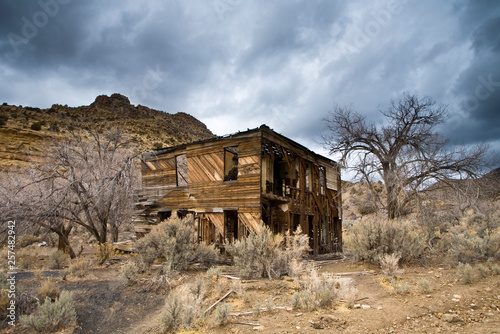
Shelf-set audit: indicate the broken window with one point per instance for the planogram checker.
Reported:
(322, 180)
(231, 163)
(181, 169)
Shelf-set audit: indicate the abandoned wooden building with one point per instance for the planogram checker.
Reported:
(236, 183)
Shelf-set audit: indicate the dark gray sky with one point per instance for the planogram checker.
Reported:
(237, 64)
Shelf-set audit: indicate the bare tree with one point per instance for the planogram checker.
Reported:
(84, 181)
(404, 151)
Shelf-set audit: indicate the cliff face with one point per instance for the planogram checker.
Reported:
(26, 131)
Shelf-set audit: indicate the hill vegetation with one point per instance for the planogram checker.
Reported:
(25, 131)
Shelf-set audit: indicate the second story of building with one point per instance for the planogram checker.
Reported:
(237, 171)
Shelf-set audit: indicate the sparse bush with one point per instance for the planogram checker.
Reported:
(400, 287)
(366, 209)
(424, 285)
(181, 309)
(157, 145)
(318, 292)
(130, 271)
(390, 265)
(474, 239)
(25, 261)
(37, 126)
(27, 303)
(483, 271)
(3, 119)
(79, 268)
(247, 298)
(171, 317)
(58, 260)
(26, 240)
(48, 289)
(371, 239)
(197, 288)
(257, 309)
(262, 254)
(270, 305)
(173, 242)
(254, 257)
(222, 313)
(52, 316)
(495, 269)
(466, 273)
(213, 271)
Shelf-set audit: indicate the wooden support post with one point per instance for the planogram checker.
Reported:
(302, 204)
(315, 232)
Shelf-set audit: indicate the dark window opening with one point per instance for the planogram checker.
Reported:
(231, 163)
(181, 169)
(231, 225)
(164, 214)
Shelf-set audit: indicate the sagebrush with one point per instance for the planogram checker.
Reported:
(52, 316)
(173, 241)
(58, 260)
(371, 239)
(473, 239)
(265, 254)
(181, 309)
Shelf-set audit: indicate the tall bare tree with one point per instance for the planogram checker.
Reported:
(84, 181)
(404, 150)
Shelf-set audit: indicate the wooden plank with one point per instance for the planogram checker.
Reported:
(218, 220)
(251, 220)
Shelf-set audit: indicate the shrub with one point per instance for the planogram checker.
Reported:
(257, 255)
(130, 271)
(26, 303)
(173, 242)
(48, 289)
(25, 261)
(157, 145)
(3, 119)
(390, 265)
(296, 247)
(424, 285)
(266, 254)
(213, 271)
(171, 317)
(495, 269)
(318, 292)
(371, 239)
(180, 310)
(52, 316)
(474, 239)
(37, 126)
(58, 260)
(26, 240)
(466, 273)
(79, 268)
(222, 313)
(400, 287)
(483, 270)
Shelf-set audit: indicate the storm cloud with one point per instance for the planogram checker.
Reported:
(235, 64)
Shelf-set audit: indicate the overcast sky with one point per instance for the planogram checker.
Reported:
(238, 64)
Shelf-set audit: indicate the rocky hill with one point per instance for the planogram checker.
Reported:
(25, 131)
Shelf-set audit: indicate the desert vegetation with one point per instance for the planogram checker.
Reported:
(421, 250)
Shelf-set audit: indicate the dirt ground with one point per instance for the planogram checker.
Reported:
(106, 303)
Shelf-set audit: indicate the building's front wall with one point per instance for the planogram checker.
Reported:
(205, 191)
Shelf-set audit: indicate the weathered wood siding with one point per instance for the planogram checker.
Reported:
(206, 191)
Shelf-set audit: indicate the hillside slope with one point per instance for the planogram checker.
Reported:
(25, 131)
